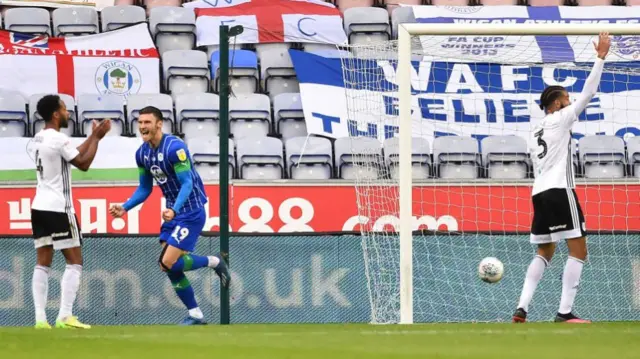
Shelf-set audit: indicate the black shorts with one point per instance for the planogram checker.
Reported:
(57, 229)
(556, 216)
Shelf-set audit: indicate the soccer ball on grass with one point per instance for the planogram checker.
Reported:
(490, 270)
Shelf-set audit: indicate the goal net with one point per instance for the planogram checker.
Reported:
(473, 102)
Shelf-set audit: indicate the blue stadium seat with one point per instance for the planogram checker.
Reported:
(243, 73)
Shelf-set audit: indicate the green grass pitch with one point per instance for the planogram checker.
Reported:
(532, 340)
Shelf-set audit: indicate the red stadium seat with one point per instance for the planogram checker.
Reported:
(546, 2)
(393, 4)
(594, 2)
(124, 2)
(347, 4)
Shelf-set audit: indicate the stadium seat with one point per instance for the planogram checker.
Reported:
(366, 25)
(456, 157)
(309, 158)
(74, 21)
(205, 152)
(28, 19)
(358, 157)
(450, 2)
(152, 4)
(243, 72)
(633, 149)
(499, 2)
(197, 115)
(288, 115)
(99, 107)
(278, 75)
(172, 28)
(594, 2)
(250, 115)
(13, 115)
(37, 123)
(420, 157)
(602, 156)
(260, 158)
(185, 71)
(391, 5)
(344, 5)
(115, 17)
(401, 15)
(162, 101)
(546, 2)
(505, 157)
(313, 47)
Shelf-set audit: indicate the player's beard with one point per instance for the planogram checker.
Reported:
(64, 121)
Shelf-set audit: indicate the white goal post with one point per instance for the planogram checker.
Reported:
(405, 33)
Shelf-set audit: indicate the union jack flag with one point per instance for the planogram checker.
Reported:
(29, 40)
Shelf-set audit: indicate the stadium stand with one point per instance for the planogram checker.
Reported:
(266, 100)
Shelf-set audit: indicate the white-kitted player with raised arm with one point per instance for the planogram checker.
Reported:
(556, 211)
(53, 219)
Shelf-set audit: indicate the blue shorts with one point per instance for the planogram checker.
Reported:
(184, 230)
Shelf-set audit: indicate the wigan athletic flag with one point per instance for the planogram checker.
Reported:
(120, 62)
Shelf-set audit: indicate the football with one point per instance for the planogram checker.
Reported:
(490, 270)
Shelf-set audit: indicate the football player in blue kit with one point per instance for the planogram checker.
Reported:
(166, 159)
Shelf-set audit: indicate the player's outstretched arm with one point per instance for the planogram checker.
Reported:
(591, 84)
(87, 150)
(140, 195)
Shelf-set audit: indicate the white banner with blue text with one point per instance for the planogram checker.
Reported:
(470, 99)
(526, 49)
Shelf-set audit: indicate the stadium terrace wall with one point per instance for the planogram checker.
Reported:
(290, 206)
(320, 279)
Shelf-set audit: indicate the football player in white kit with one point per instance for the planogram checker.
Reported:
(556, 211)
(53, 219)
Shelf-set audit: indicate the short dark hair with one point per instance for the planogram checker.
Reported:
(151, 110)
(549, 95)
(47, 106)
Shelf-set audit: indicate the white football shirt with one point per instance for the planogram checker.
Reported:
(552, 155)
(53, 151)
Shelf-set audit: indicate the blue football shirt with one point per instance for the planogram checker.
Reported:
(163, 163)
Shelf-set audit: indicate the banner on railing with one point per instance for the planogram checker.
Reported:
(323, 208)
(526, 49)
(97, 4)
(465, 99)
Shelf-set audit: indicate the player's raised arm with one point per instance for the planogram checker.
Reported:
(87, 150)
(591, 84)
(140, 195)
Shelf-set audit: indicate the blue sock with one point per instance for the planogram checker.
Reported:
(183, 289)
(190, 262)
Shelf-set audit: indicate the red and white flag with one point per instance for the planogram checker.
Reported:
(268, 21)
(121, 62)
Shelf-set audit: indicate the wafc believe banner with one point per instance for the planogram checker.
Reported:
(296, 208)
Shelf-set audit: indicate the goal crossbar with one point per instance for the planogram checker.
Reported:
(405, 31)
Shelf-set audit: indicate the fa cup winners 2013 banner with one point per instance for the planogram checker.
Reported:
(119, 62)
(459, 93)
(519, 49)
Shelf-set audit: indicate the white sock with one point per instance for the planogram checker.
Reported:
(213, 261)
(69, 288)
(531, 280)
(570, 282)
(196, 313)
(39, 289)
